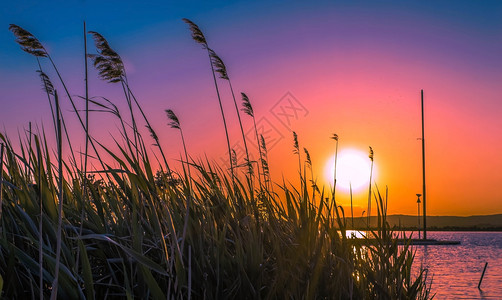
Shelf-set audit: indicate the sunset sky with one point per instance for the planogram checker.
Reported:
(354, 68)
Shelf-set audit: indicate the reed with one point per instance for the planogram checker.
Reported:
(369, 187)
(221, 69)
(264, 163)
(87, 137)
(40, 224)
(49, 89)
(111, 69)
(333, 192)
(247, 108)
(175, 124)
(313, 182)
(296, 150)
(55, 283)
(335, 138)
(199, 37)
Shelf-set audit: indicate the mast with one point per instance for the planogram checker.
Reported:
(423, 168)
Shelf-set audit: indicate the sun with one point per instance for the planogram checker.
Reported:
(353, 167)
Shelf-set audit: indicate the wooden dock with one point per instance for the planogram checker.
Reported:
(426, 242)
(413, 242)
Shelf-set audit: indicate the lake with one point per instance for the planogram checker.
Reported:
(456, 269)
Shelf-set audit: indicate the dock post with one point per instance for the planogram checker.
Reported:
(418, 214)
(423, 167)
(482, 275)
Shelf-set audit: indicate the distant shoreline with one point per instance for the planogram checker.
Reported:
(437, 229)
(434, 223)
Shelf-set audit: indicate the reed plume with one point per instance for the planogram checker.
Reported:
(175, 123)
(264, 160)
(218, 65)
(247, 108)
(308, 163)
(108, 62)
(307, 159)
(197, 34)
(48, 88)
(46, 83)
(153, 134)
(296, 147)
(234, 158)
(28, 42)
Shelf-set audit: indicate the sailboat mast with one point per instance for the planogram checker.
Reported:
(423, 168)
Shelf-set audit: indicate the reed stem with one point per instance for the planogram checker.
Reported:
(55, 283)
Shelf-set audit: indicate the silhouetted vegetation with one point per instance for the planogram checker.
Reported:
(203, 232)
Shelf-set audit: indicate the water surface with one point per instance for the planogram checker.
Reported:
(456, 269)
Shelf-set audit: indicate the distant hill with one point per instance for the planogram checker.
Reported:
(485, 222)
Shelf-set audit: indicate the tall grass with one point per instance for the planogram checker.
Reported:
(293, 251)
(139, 238)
